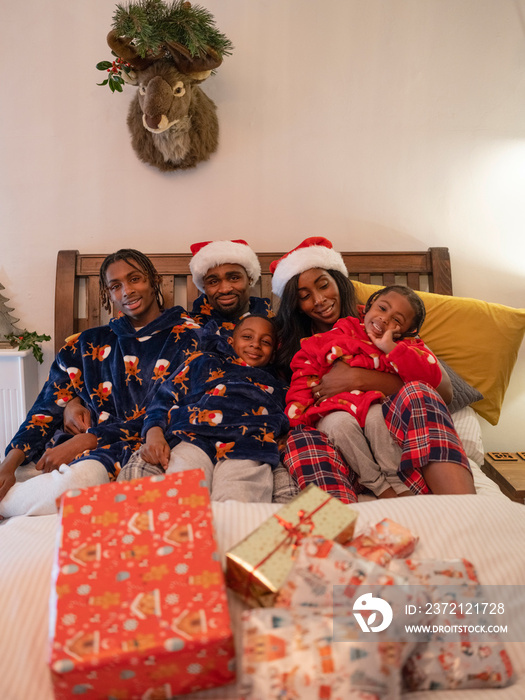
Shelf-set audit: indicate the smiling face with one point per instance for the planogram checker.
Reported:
(390, 311)
(254, 341)
(318, 297)
(132, 293)
(228, 289)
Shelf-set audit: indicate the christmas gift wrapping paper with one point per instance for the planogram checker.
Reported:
(441, 664)
(291, 653)
(258, 565)
(320, 565)
(384, 541)
(138, 606)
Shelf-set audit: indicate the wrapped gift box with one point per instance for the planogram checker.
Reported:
(258, 566)
(322, 565)
(384, 541)
(139, 606)
(444, 665)
(291, 653)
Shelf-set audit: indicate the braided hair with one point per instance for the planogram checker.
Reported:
(137, 260)
(413, 299)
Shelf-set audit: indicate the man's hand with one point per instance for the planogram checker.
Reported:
(7, 470)
(66, 452)
(155, 450)
(77, 418)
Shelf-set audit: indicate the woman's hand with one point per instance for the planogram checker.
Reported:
(342, 377)
(77, 418)
(444, 389)
(155, 450)
(66, 452)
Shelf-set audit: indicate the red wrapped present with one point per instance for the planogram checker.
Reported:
(139, 606)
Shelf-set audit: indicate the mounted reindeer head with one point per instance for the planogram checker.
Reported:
(173, 123)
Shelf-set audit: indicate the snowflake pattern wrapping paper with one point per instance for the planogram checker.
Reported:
(139, 605)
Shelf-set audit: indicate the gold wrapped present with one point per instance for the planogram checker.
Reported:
(257, 567)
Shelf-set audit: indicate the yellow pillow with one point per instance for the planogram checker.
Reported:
(479, 340)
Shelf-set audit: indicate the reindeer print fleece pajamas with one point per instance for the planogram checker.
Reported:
(202, 312)
(231, 412)
(115, 370)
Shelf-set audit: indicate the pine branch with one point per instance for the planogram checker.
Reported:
(152, 23)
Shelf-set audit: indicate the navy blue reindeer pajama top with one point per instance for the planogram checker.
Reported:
(220, 404)
(115, 370)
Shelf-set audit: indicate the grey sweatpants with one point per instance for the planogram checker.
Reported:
(370, 451)
(229, 479)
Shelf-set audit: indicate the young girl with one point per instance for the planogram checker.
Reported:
(221, 411)
(385, 341)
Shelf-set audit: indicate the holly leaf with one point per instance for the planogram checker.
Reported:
(115, 83)
(103, 65)
(104, 82)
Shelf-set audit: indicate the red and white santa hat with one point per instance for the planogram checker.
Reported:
(209, 254)
(315, 251)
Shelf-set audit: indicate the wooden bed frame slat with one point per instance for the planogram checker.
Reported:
(77, 277)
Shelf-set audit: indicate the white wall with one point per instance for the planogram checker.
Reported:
(382, 124)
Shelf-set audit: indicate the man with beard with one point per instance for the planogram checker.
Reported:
(224, 271)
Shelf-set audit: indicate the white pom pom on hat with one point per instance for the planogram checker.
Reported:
(315, 251)
(209, 254)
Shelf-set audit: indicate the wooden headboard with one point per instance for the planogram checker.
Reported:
(77, 302)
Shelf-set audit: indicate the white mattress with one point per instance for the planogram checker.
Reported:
(487, 529)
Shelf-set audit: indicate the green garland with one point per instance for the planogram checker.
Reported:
(151, 23)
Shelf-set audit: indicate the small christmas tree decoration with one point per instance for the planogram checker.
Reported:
(7, 322)
(11, 336)
(167, 50)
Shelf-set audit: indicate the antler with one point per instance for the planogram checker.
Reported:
(186, 63)
(183, 60)
(122, 46)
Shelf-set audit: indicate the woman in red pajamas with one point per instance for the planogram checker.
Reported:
(312, 282)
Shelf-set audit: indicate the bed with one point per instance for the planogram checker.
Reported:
(488, 528)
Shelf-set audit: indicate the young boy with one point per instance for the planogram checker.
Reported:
(221, 411)
(385, 341)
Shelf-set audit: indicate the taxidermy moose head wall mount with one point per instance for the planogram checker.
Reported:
(167, 52)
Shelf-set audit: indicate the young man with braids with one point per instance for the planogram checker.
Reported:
(224, 272)
(114, 370)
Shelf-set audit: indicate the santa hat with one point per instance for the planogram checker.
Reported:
(312, 252)
(212, 253)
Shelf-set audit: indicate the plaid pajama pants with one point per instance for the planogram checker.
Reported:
(312, 459)
(420, 423)
(418, 420)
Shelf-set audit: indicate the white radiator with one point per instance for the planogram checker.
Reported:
(18, 391)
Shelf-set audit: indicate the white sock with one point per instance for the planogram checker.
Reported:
(39, 495)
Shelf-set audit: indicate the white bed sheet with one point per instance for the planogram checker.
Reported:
(488, 529)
